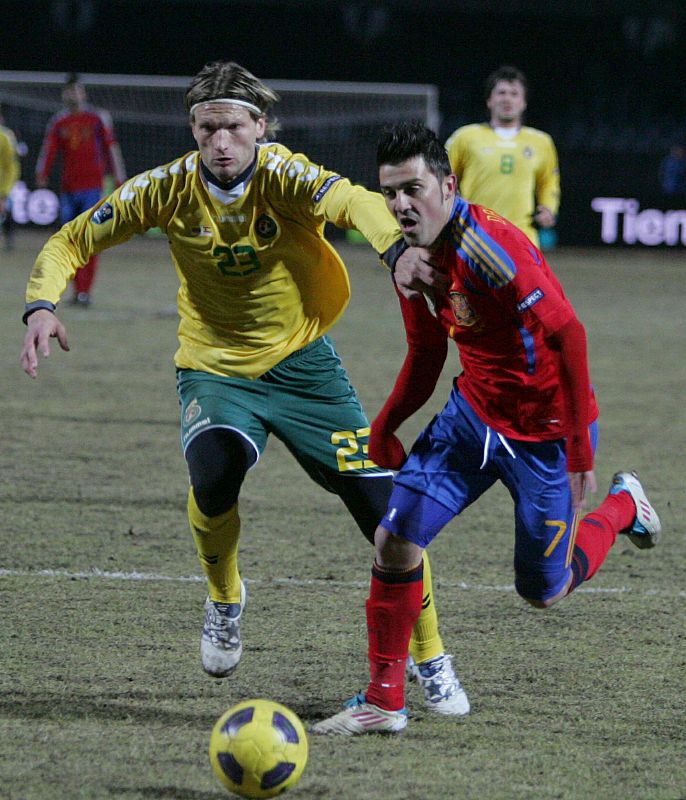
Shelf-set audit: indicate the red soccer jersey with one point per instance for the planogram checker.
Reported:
(502, 304)
(83, 140)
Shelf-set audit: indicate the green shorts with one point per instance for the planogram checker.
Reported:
(306, 401)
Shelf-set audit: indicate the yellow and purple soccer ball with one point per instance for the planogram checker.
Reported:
(258, 748)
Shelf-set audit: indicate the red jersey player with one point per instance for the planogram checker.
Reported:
(521, 412)
(84, 139)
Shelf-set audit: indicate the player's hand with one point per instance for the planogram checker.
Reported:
(415, 274)
(385, 449)
(580, 484)
(42, 325)
(544, 217)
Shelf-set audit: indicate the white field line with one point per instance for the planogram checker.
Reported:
(469, 587)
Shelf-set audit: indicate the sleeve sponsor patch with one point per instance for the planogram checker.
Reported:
(328, 183)
(530, 300)
(104, 213)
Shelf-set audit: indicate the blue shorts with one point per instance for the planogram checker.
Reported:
(456, 459)
(74, 203)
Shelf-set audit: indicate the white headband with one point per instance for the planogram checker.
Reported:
(232, 101)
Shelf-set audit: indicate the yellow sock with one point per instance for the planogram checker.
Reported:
(216, 539)
(426, 641)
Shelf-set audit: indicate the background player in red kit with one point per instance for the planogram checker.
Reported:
(521, 412)
(84, 139)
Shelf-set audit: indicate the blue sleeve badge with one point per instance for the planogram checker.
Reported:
(328, 183)
(530, 300)
(103, 214)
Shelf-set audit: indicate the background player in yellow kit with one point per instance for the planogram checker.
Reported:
(9, 175)
(259, 289)
(504, 165)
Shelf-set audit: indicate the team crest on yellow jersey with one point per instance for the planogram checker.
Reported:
(266, 227)
(464, 313)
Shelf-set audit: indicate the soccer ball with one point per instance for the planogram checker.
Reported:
(258, 748)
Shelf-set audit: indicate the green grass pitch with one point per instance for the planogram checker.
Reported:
(101, 690)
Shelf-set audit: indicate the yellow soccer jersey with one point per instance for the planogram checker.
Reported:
(258, 279)
(9, 161)
(510, 176)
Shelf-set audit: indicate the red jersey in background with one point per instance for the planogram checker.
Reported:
(82, 139)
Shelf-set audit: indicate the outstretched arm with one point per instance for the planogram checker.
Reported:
(427, 347)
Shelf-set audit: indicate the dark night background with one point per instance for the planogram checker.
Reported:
(607, 79)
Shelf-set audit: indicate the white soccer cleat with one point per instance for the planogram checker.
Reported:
(359, 717)
(220, 645)
(443, 692)
(646, 528)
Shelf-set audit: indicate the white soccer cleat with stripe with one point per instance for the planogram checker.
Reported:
(220, 645)
(443, 692)
(646, 528)
(359, 717)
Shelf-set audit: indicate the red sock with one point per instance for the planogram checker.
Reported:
(395, 601)
(84, 277)
(597, 533)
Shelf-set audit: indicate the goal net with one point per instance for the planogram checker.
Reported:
(335, 123)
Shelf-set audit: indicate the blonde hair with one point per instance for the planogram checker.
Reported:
(226, 80)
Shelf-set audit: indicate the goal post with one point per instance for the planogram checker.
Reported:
(335, 123)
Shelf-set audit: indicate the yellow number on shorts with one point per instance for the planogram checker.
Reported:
(352, 447)
(562, 527)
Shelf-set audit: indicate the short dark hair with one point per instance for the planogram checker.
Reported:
(411, 138)
(505, 73)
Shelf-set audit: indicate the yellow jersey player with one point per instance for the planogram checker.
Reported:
(9, 175)
(259, 289)
(504, 165)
